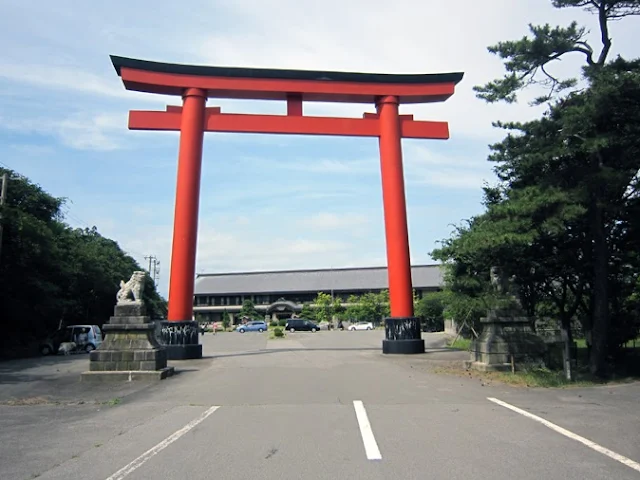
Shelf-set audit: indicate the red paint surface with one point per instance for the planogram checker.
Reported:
(193, 119)
(185, 226)
(283, 124)
(277, 89)
(294, 105)
(395, 210)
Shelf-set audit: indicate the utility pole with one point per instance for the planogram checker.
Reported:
(150, 258)
(154, 267)
(3, 196)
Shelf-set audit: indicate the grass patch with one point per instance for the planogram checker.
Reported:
(540, 378)
(460, 343)
(113, 402)
(536, 377)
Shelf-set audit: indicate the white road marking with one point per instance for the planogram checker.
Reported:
(370, 445)
(138, 462)
(598, 448)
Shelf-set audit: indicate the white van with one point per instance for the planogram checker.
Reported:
(86, 338)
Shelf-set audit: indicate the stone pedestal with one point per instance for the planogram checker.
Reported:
(506, 336)
(402, 336)
(180, 339)
(130, 349)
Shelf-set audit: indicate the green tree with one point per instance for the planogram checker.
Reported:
(539, 224)
(353, 310)
(157, 307)
(307, 312)
(587, 138)
(248, 309)
(337, 308)
(374, 306)
(527, 61)
(51, 274)
(324, 307)
(226, 320)
(430, 310)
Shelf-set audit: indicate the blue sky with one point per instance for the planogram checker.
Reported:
(267, 202)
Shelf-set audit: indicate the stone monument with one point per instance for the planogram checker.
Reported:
(507, 339)
(130, 350)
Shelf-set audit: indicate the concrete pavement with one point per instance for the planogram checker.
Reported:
(286, 411)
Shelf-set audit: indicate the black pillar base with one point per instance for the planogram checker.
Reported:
(402, 336)
(183, 352)
(180, 339)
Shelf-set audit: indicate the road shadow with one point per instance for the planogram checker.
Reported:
(15, 364)
(45, 369)
(335, 349)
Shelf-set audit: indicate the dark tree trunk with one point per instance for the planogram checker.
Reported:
(600, 323)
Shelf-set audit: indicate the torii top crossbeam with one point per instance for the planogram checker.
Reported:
(292, 86)
(276, 84)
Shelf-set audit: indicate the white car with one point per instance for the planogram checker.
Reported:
(361, 326)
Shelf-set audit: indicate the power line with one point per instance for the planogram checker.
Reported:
(6, 166)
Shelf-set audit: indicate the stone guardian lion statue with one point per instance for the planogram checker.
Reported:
(131, 291)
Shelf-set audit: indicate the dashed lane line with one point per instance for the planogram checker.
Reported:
(138, 462)
(370, 445)
(562, 431)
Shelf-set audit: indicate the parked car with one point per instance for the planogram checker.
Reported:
(301, 325)
(86, 338)
(254, 326)
(361, 326)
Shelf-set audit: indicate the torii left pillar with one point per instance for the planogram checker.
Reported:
(180, 333)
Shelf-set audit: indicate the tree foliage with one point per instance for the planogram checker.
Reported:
(430, 310)
(370, 307)
(226, 320)
(52, 274)
(563, 219)
(324, 307)
(527, 61)
(248, 310)
(307, 312)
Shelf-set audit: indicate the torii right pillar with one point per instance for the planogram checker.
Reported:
(402, 330)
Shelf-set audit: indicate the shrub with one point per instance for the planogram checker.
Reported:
(282, 322)
(226, 320)
(273, 323)
(278, 332)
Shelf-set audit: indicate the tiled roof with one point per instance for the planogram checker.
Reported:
(342, 279)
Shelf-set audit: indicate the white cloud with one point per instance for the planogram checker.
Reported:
(422, 165)
(235, 246)
(79, 131)
(312, 164)
(333, 221)
(63, 78)
(426, 167)
(419, 37)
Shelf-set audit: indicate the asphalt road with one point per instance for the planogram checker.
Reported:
(286, 411)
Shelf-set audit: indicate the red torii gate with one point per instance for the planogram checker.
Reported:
(197, 83)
